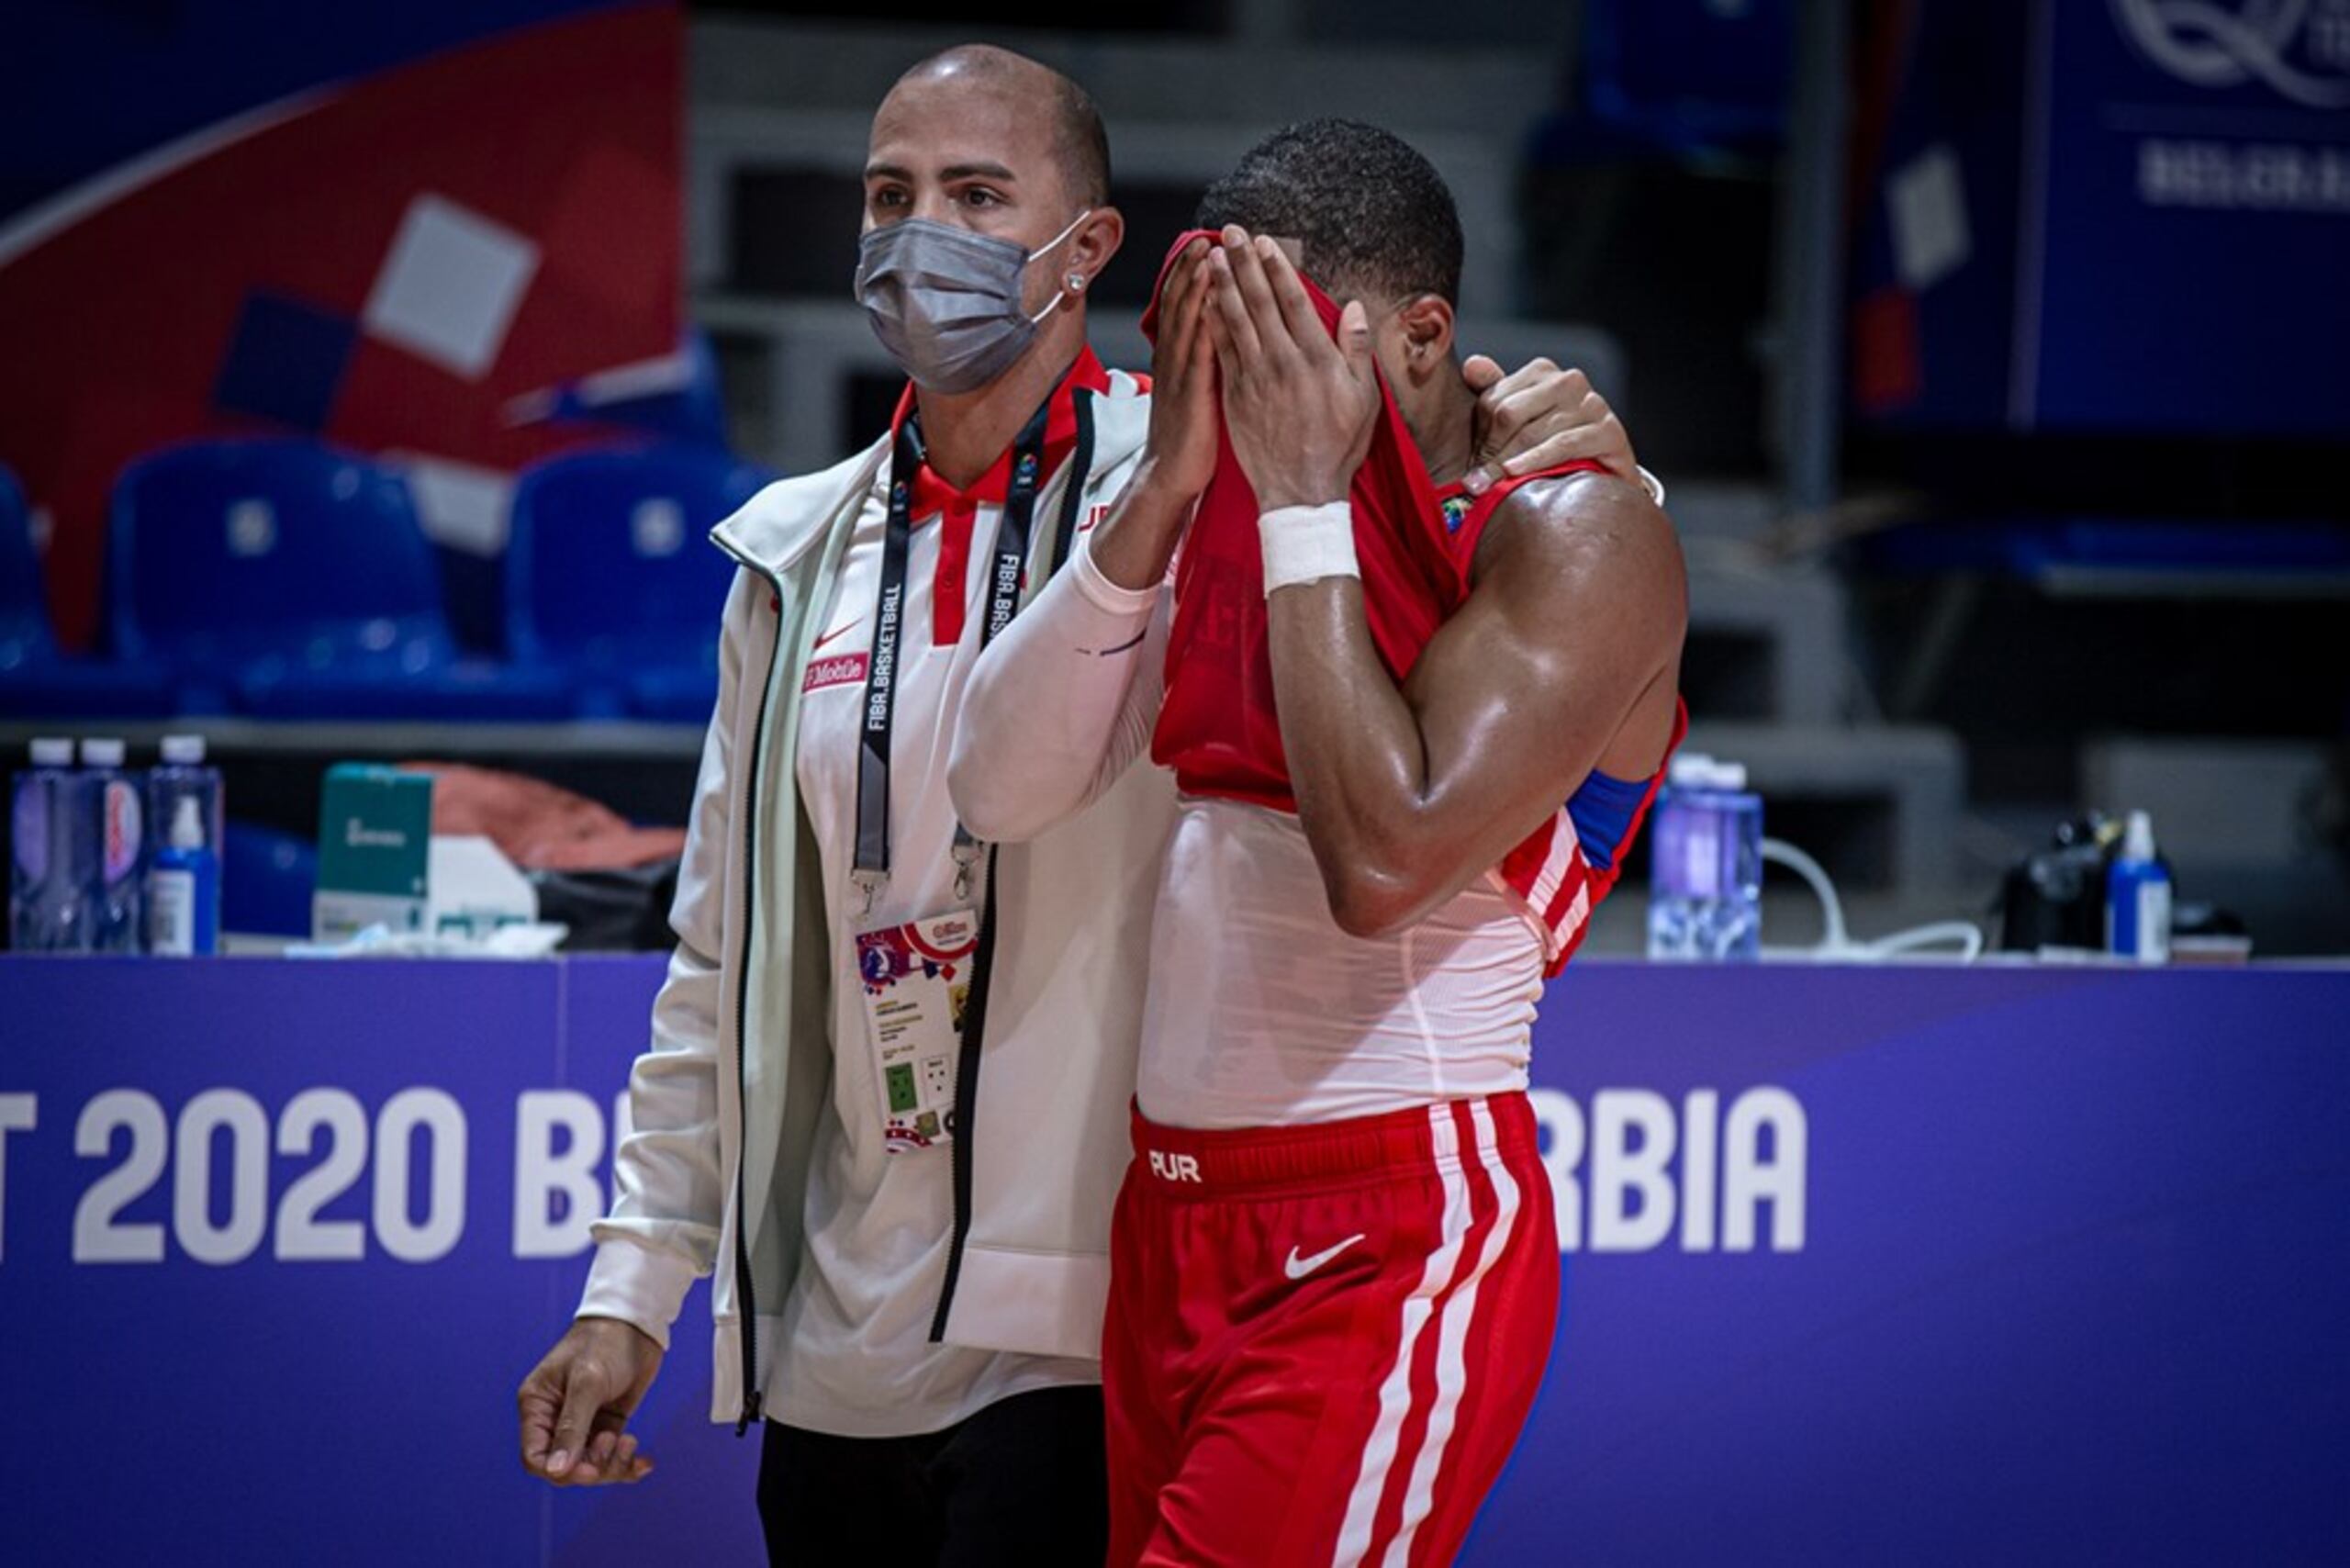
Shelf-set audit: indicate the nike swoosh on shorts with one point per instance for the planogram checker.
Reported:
(1297, 1268)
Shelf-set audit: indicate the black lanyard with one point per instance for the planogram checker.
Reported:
(1010, 566)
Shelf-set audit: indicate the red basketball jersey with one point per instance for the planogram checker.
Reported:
(1217, 728)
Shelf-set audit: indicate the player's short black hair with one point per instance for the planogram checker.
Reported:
(1374, 216)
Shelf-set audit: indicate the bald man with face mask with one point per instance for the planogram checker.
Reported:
(885, 1096)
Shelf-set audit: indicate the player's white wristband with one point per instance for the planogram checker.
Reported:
(1651, 484)
(1304, 544)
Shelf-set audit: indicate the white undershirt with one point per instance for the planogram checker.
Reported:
(1262, 1013)
(858, 1359)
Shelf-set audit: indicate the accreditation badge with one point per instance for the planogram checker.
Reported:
(917, 982)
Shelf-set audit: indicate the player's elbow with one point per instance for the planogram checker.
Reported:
(1367, 921)
(1376, 872)
(1372, 901)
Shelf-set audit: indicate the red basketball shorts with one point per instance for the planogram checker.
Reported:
(1323, 1341)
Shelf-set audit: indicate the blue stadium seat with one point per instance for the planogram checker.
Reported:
(287, 579)
(36, 680)
(611, 576)
(24, 616)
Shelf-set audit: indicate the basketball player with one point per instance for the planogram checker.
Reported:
(1335, 1276)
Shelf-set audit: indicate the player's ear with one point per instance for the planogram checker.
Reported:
(1425, 323)
(1096, 240)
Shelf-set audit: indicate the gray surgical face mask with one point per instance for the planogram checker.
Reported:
(947, 302)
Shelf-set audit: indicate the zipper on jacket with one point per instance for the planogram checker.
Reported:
(966, 1101)
(746, 1293)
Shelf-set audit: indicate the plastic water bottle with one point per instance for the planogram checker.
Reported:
(1706, 865)
(2137, 897)
(53, 828)
(180, 783)
(117, 921)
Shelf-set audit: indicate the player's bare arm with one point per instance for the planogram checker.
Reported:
(1564, 657)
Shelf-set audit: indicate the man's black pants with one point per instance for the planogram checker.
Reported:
(1022, 1482)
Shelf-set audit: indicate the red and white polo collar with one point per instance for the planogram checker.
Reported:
(932, 496)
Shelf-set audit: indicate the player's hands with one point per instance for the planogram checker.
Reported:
(576, 1402)
(1181, 451)
(1299, 408)
(1539, 417)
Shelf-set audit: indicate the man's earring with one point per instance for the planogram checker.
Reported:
(1077, 283)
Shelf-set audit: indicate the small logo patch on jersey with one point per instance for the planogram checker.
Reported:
(1174, 1166)
(841, 670)
(1456, 511)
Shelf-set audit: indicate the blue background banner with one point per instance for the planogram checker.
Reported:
(2149, 236)
(1927, 1266)
(2195, 210)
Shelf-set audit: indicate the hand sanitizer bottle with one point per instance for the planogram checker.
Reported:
(184, 889)
(2137, 897)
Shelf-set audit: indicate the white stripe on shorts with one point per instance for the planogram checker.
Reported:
(1451, 1345)
(1395, 1390)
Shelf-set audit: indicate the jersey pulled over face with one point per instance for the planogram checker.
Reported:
(1218, 730)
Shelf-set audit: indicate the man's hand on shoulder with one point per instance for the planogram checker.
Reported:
(1540, 416)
